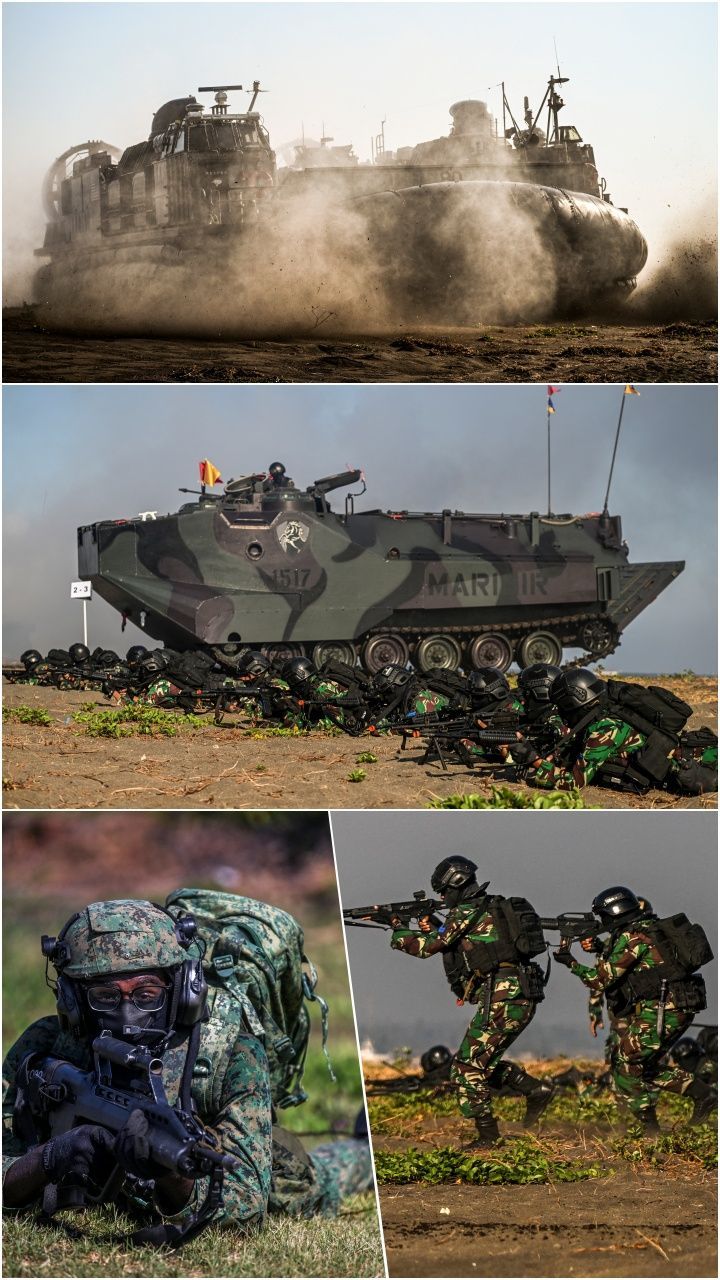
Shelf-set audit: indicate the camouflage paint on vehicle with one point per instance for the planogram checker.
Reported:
(273, 565)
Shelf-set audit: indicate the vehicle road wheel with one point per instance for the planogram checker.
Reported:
(379, 651)
(490, 651)
(282, 652)
(539, 646)
(335, 651)
(598, 637)
(438, 651)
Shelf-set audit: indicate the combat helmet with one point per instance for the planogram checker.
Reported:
(125, 936)
(616, 905)
(253, 664)
(536, 681)
(79, 653)
(434, 1059)
(391, 676)
(453, 876)
(135, 653)
(30, 658)
(573, 692)
(487, 684)
(297, 671)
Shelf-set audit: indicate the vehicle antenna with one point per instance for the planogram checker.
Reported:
(557, 59)
(628, 390)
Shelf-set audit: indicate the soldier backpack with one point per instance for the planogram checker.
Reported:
(254, 954)
(449, 684)
(648, 707)
(683, 948)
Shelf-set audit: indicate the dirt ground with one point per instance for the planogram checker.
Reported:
(58, 766)
(633, 1224)
(684, 351)
(638, 1221)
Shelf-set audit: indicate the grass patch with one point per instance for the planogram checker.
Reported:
(696, 1143)
(125, 722)
(27, 715)
(366, 757)
(519, 1161)
(505, 798)
(357, 775)
(348, 1245)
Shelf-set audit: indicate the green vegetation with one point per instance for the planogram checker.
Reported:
(366, 757)
(519, 1160)
(357, 775)
(348, 1245)
(505, 798)
(697, 1143)
(27, 715)
(124, 722)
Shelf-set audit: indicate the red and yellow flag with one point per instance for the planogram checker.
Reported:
(208, 473)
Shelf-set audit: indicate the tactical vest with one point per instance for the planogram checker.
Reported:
(683, 948)
(520, 937)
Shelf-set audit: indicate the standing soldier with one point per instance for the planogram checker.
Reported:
(487, 943)
(647, 972)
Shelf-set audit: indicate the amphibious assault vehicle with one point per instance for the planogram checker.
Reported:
(452, 226)
(273, 566)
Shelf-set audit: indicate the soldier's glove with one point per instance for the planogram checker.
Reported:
(596, 1024)
(85, 1152)
(563, 956)
(132, 1149)
(524, 754)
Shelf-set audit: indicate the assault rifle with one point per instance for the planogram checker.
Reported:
(449, 734)
(573, 925)
(55, 1096)
(380, 915)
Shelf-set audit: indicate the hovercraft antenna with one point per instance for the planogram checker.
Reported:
(221, 92)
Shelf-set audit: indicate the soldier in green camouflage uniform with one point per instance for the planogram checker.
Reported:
(133, 949)
(605, 746)
(644, 1034)
(506, 1008)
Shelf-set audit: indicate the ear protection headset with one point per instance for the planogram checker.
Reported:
(188, 994)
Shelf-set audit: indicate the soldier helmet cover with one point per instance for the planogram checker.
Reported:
(490, 683)
(616, 903)
(79, 653)
(455, 872)
(437, 1056)
(575, 691)
(30, 658)
(122, 936)
(537, 680)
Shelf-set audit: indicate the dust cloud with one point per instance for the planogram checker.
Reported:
(453, 253)
(682, 282)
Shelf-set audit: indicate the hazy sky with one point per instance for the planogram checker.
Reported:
(642, 86)
(560, 861)
(73, 455)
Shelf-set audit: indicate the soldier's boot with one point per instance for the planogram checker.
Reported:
(487, 1133)
(704, 1098)
(539, 1093)
(649, 1121)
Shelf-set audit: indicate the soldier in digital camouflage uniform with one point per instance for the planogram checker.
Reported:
(607, 743)
(130, 952)
(644, 1033)
(505, 1008)
(494, 706)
